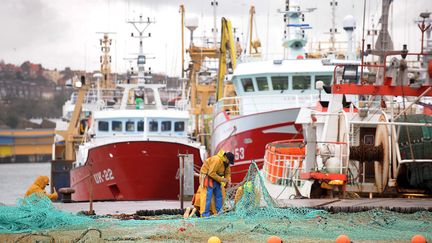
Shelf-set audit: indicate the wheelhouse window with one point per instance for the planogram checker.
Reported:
(130, 126)
(153, 126)
(140, 126)
(116, 126)
(301, 82)
(103, 126)
(179, 126)
(280, 82)
(247, 85)
(166, 126)
(327, 79)
(262, 83)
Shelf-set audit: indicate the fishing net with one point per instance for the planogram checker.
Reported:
(36, 212)
(250, 215)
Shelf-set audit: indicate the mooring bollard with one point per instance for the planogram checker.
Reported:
(66, 194)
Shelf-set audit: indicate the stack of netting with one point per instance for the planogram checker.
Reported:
(250, 216)
(35, 213)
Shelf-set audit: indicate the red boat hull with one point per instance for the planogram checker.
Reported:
(253, 151)
(252, 133)
(139, 170)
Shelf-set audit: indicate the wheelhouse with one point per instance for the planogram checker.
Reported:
(140, 123)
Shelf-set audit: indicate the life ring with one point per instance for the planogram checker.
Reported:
(382, 167)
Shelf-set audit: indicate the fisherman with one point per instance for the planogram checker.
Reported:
(215, 173)
(39, 187)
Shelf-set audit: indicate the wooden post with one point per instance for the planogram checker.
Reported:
(91, 212)
(181, 178)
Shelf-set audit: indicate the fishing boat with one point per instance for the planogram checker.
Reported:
(269, 96)
(379, 144)
(133, 146)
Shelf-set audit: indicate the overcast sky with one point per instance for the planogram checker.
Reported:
(62, 33)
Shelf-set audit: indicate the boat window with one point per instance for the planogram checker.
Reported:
(262, 83)
(130, 126)
(179, 126)
(247, 84)
(301, 82)
(280, 82)
(116, 126)
(327, 79)
(166, 126)
(103, 126)
(153, 126)
(140, 126)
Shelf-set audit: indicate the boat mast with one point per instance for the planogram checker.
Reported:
(333, 30)
(105, 59)
(140, 26)
(251, 19)
(214, 30)
(182, 12)
(294, 36)
(372, 32)
(384, 41)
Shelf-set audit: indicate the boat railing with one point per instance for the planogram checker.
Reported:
(93, 95)
(116, 106)
(377, 106)
(244, 105)
(284, 160)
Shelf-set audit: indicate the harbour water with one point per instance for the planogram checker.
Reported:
(15, 178)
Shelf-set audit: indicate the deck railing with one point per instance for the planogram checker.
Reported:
(244, 105)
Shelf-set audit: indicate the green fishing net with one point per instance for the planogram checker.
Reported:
(36, 212)
(250, 215)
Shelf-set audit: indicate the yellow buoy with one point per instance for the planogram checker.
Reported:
(248, 186)
(214, 239)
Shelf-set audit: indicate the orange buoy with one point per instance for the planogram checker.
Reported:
(274, 239)
(418, 239)
(343, 239)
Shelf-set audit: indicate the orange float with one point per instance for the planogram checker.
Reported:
(418, 239)
(343, 239)
(274, 239)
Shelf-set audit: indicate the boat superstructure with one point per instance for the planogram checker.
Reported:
(269, 96)
(377, 144)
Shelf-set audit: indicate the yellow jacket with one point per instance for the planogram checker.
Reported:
(39, 186)
(215, 168)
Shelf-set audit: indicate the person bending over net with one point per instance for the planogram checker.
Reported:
(215, 174)
(39, 185)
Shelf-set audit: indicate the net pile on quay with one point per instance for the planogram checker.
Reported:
(254, 218)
